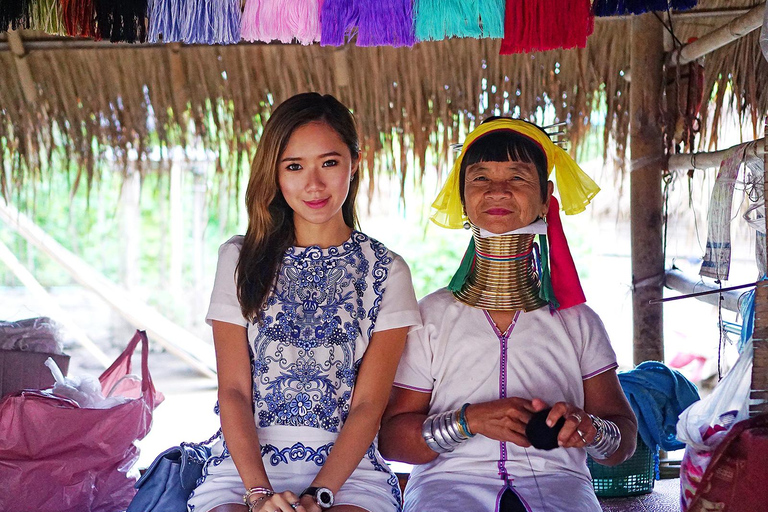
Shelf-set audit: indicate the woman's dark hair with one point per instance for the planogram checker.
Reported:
(270, 220)
(502, 146)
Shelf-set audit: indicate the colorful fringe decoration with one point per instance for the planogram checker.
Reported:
(164, 21)
(378, 23)
(122, 20)
(541, 25)
(385, 23)
(211, 22)
(622, 7)
(14, 13)
(281, 20)
(79, 18)
(338, 19)
(195, 21)
(441, 19)
(46, 16)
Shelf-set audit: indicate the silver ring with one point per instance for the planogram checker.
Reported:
(295, 505)
(577, 416)
(581, 435)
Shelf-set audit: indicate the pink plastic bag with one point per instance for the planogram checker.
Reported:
(56, 456)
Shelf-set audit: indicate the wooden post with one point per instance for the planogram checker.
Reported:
(759, 388)
(647, 150)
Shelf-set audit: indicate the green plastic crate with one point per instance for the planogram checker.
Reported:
(630, 478)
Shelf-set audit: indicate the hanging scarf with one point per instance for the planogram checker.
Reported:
(443, 19)
(281, 20)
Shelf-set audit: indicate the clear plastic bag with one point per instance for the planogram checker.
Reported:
(704, 425)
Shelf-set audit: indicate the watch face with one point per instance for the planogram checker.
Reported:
(324, 497)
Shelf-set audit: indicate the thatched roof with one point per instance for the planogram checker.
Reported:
(106, 105)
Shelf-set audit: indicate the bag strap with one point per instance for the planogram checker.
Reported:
(122, 366)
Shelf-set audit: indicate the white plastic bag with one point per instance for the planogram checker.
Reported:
(704, 424)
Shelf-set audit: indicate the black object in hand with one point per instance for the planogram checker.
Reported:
(539, 434)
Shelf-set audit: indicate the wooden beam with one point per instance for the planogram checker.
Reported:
(28, 86)
(713, 159)
(50, 307)
(647, 150)
(176, 340)
(731, 31)
(759, 388)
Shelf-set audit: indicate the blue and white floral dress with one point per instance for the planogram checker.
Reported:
(305, 355)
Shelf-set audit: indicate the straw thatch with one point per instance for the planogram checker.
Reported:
(115, 107)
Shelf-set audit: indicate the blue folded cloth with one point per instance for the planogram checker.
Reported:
(658, 394)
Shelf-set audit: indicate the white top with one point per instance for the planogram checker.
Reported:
(459, 357)
(327, 303)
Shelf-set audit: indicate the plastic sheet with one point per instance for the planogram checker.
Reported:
(39, 334)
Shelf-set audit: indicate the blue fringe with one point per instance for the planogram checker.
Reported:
(492, 18)
(622, 7)
(194, 21)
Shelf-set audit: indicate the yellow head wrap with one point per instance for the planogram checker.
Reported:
(575, 187)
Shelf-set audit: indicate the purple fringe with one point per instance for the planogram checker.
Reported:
(385, 23)
(338, 19)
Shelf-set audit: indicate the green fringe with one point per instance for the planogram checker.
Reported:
(460, 277)
(546, 292)
(46, 17)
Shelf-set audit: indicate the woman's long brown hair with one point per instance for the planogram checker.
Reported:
(270, 220)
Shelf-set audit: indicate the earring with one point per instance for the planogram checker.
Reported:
(352, 178)
(467, 225)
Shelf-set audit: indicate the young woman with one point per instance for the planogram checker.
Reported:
(309, 321)
(502, 343)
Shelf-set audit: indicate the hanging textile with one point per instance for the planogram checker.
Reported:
(79, 17)
(14, 13)
(380, 23)
(121, 20)
(540, 25)
(717, 258)
(441, 19)
(623, 7)
(281, 20)
(194, 21)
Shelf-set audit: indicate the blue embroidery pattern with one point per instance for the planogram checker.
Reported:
(394, 485)
(297, 452)
(304, 357)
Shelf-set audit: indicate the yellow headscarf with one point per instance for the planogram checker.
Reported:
(576, 189)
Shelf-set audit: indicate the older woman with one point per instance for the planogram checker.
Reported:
(507, 339)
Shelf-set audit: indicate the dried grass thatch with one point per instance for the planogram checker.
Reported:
(116, 106)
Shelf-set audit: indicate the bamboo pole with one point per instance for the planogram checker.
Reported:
(647, 149)
(176, 340)
(676, 279)
(712, 159)
(759, 389)
(50, 306)
(731, 31)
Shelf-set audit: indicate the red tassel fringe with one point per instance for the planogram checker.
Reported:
(540, 25)
(79, 18)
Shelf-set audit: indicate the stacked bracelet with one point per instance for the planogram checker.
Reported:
(264, 491)
(606, 441)
(445, 431)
